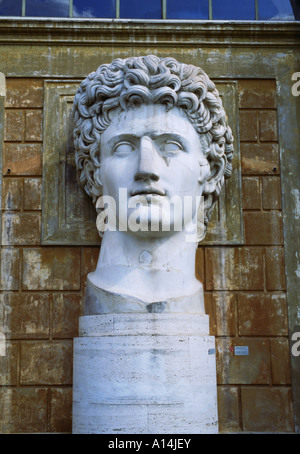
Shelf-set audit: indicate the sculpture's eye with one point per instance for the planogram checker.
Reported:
(124, 148)
(171, 147)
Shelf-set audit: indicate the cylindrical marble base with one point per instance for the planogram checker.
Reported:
(144, 374)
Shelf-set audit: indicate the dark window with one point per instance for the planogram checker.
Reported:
(187, 9)
(47, 8)
(139, 9)
(233, 10)
(94, 8)
(9, 8)
(275, 10)
(264, 10)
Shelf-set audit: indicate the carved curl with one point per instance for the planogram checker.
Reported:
(150, 79)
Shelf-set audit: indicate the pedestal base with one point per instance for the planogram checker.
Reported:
(144, 374)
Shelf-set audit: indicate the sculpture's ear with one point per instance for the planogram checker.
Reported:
(217, 169)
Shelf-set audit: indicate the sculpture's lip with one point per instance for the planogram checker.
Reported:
(148, 191)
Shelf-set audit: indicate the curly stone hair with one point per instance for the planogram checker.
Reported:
(150, 80)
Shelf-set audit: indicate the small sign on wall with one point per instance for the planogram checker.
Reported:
(241, 350)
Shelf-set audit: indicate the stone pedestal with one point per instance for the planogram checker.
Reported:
(144, 374)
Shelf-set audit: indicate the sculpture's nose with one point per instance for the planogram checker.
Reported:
(148, 161)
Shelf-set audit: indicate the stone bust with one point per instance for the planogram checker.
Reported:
(151, 135)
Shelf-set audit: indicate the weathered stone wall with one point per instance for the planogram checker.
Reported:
(245, 286)
(42, 286)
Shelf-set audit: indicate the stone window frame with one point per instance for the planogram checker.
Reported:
(61, 225)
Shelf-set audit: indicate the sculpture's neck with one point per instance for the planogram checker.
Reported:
(151, 269)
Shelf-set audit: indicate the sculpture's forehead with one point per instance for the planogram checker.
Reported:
(152, 118)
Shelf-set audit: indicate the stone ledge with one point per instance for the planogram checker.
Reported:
(144, 324)
(71, 31)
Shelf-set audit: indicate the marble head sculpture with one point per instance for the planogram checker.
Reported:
(157, 129)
